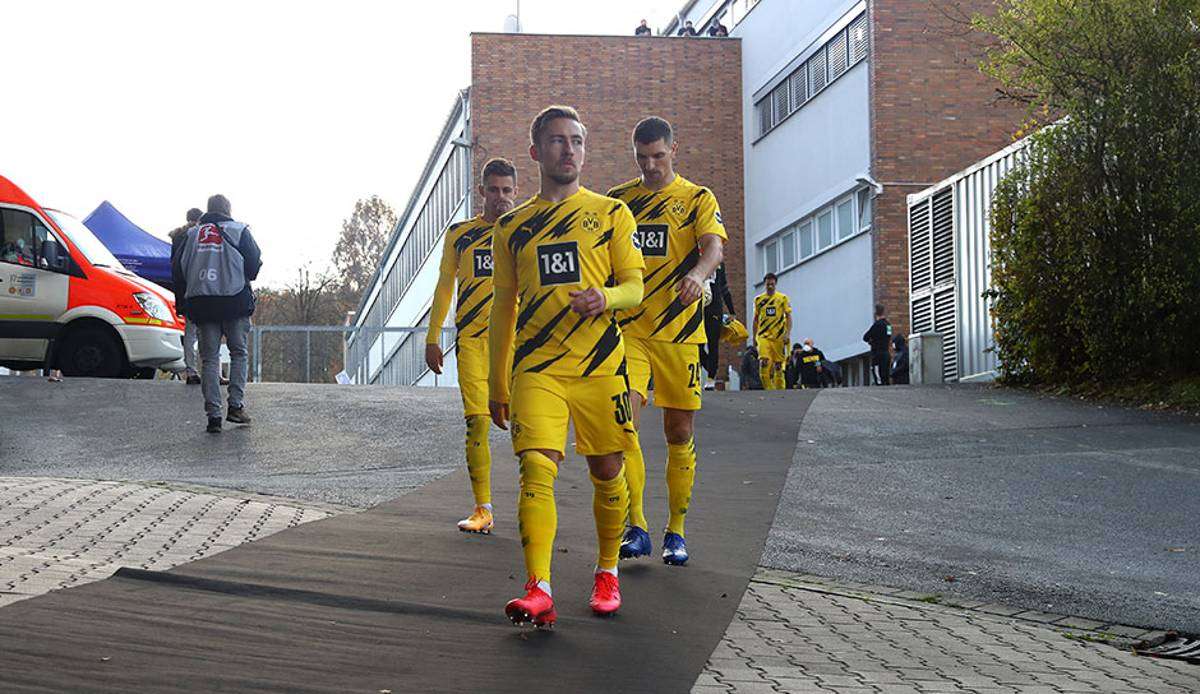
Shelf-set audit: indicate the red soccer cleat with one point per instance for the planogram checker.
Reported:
(536, 607)
(606, 594)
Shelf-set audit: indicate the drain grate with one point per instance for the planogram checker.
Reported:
(1178, 648)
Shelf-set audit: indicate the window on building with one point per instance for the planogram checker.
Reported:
(805, 232)
(765, 116)
(818, 77)
(864, 209)
(825, 230)
(845, 219)
(827, 63)
(799, 88)
(858, 36)
(782, 101)
(838, 59)
(771, 257)
(787, 249)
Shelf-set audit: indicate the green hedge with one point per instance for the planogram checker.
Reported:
(1096, 235)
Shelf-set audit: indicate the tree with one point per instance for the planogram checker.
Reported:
(310, 299)
(361, 244)
(1096, 235)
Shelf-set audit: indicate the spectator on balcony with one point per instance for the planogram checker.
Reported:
(718, 30)
(643, 30)
(688, 29)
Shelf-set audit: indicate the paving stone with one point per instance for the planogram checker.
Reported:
(831, 642)
(85, 530)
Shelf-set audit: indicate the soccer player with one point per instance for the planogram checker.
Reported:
(467, 257)
(772, 330)
(682, 240)
(567, 254)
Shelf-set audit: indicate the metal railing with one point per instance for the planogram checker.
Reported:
(318, 353)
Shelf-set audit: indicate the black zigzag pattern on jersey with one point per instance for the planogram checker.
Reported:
(470, 316)
(527, 230)
(578, 324)
(659, 209)
(530, 308)
(470, 236)
(604, 238)
(669, 314)
(465, 293)
(541, 338)
(537, 368)
(617, 191)
(563, 226)
(684, 267)
(631, 318)
(603, 348)
(690, 327)
(639, 203)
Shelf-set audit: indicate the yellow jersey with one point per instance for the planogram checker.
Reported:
(546, 250)
(670, 223)
(467, 258)
(771, 313)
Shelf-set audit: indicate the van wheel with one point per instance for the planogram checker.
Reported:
(91, 352)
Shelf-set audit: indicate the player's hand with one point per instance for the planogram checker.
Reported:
(588, 302)
(690, 289)
(433, 358)
(499, 411)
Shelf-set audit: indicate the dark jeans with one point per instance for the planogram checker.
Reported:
(710, 353)
(881, 368)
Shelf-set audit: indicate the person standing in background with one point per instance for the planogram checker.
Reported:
(879, 336)
(178, 235)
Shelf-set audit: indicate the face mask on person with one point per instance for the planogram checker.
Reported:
(807, 348)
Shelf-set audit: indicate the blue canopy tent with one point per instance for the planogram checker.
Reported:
(144, 254)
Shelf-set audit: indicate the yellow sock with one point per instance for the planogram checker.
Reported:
(537, 516)
(610, 500)
(765, 375)
(635, 475)
(681, 472)
(479, 459)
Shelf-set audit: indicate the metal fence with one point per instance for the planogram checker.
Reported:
(318, 353)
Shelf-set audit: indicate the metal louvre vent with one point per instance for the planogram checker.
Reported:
(782, 103)
(765, 121)
(816, 71)
(1181, 648)
(799, 80)
(943, 236)
(837, 56)
(944, 323)
(858, 39)
(922, 314)
(918, 234)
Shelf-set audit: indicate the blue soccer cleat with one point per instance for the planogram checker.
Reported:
(636, 543)
(674, 550)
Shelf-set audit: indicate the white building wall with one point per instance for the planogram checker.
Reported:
(447, 162)
(814, 158)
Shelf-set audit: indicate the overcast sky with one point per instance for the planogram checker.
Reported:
(293, 110)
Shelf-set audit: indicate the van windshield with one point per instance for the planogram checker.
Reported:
(87, 243)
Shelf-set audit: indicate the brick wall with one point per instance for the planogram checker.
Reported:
(614, 81)
(932, 114)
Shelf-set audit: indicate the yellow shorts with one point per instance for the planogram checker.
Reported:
(473, 375)
(598, 405)
(772, 350)
(678, 379)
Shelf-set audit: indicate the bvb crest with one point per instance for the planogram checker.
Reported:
(590, 222)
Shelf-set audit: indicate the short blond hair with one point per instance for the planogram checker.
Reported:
(548, 114)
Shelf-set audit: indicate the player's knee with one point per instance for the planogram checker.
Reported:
(677, 426)
(605, 467)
